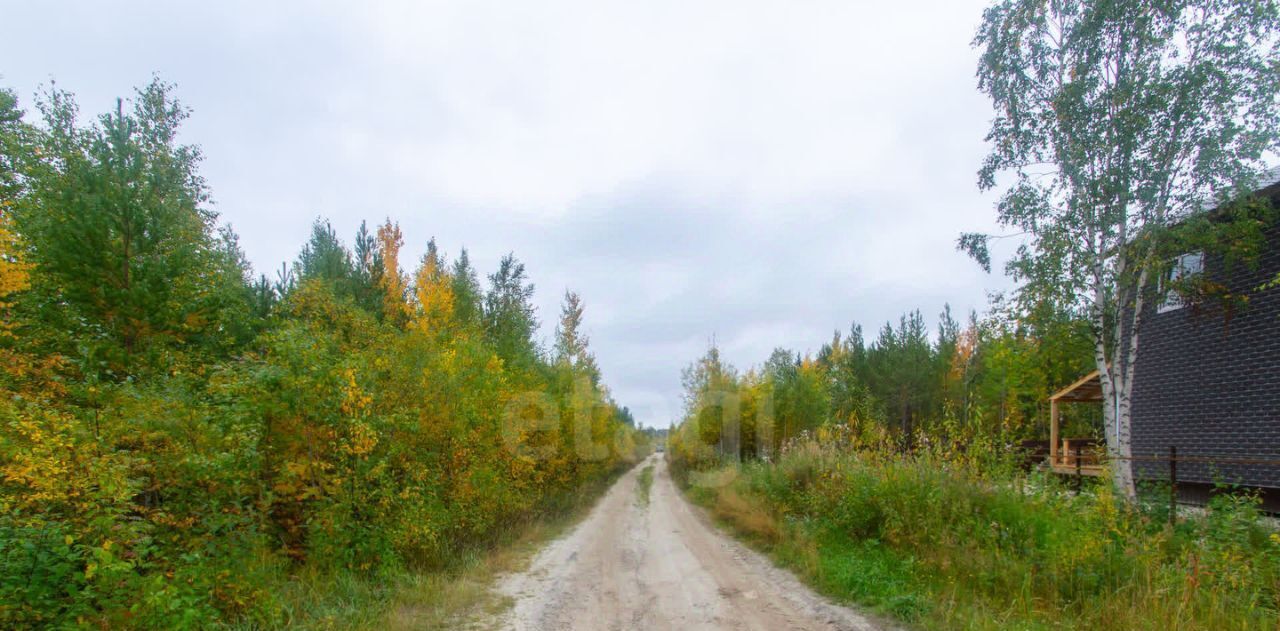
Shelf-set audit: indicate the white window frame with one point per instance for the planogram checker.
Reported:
(1189, 264)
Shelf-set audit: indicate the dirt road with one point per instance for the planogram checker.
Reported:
(660, 565)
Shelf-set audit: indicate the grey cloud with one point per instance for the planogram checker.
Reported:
(762, 172)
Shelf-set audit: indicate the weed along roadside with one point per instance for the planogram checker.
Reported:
(644, 485)
(939, 541)
(460, 596)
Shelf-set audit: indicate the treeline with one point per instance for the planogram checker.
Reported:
(888, 474)
(988, 377)
(177, 438)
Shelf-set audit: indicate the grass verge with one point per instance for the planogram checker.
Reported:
(927, 543)
(644, 485)
(459, 596)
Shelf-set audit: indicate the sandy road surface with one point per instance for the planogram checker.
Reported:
(660, 566)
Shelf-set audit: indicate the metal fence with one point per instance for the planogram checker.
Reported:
(1170, 460)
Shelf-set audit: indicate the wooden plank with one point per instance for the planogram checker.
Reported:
(1053, 430)
(1091, 470)
(1066, 392)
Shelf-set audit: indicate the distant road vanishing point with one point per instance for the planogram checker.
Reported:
(629, 565)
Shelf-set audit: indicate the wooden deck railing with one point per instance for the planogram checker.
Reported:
(1079, 456)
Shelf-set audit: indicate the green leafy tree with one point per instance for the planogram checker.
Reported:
(1117, 120)
(510, 318)
(946, 352)
(571, 344)
(367, 274)
(711, 402)
(797, 391)
(625, 417)
(468, 296)
(264, 297)
(902, 369)
(845, 360)
(129, 256)
(15, 147)
(325, 258)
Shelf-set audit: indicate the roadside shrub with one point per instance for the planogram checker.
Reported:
(930, 537)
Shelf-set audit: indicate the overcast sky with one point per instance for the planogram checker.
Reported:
(760, 172)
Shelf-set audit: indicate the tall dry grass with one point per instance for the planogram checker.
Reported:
(959, 539)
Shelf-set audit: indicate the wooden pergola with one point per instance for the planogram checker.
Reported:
(1063, 453)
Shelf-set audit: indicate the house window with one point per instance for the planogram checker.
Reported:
(1183, 267)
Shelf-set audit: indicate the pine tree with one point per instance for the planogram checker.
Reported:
(509, 315)
(845, 360)
(367, 279)
(901, 363)
(468, 297)
(325, 258)
(129, 256)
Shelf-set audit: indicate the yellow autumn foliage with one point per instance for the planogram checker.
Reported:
(433, 291)
(15, 274)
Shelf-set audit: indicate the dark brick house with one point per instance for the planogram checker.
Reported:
(1209, 384)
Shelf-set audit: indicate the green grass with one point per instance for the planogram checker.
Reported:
(869, 573)
(939, 545)
(644, 485)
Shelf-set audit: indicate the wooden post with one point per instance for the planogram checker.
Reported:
(1079, 475)
(1053, 433)
(1173, 484)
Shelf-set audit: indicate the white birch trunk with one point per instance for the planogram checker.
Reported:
(1117, 383)
(1119, 438)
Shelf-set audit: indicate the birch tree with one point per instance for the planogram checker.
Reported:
(1116, 119)
(571, 345)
